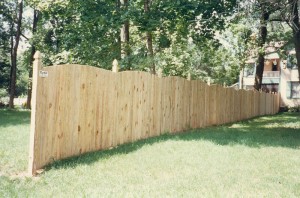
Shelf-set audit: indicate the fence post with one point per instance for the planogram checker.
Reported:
(37, 66)
(189, 77)
(208, 81)
(115, 67)
(160, 73)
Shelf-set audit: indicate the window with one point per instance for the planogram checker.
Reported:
(293, 90)
(249, 70)
(292, 61)
(269, 88)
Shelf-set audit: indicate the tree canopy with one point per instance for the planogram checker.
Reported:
(207, 39)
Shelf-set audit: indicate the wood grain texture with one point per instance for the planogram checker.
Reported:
(78, 109)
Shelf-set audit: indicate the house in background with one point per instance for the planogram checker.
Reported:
(279, 76)
(289, 82)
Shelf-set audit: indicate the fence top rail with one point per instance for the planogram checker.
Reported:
(120, 72)
(97, 69)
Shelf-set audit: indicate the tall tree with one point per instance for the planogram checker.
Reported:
(125, 51)
(82, 27)
(68, 31)
(4, 49)
(33, 50)
(14, 53)
(262, 40)
(287, 11)
(149, 39)
(295, 8)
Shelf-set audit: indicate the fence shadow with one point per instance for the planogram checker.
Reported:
(256, 133)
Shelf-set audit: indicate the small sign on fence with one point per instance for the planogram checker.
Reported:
(43, 74)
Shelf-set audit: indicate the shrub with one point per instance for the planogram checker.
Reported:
(3, 98)
(294, 109)
(284, 109)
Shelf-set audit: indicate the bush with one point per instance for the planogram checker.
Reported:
(3, 98)
(3, 93)
(284, 109)
(294, 109)
(3, 105)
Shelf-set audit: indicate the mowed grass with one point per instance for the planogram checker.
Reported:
(14, 141)
(254, 158)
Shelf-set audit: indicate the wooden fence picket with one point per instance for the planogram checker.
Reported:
(77, 109)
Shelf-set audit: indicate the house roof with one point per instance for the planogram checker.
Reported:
(270, 50)
(272, 55)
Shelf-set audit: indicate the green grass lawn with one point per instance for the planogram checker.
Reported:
(255, 158)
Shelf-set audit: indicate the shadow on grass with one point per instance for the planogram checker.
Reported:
(272, 131)
(14, 117)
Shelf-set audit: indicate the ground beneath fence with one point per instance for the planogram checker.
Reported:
(255, 157)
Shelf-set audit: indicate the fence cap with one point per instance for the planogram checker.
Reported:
(189, 76)
(115, 67)
(160, 72)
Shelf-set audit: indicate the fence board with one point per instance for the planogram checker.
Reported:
(78, 109)
(200, 107)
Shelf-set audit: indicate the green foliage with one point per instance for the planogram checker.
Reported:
(4, 74)
(22, 83)
(294, 109)
(203, 38)
(77, 32)
(4, 46)
(3, 98)
(207, 39)
(87, 32)
(3, 93)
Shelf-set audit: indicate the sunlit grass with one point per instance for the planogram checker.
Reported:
(245, 159)
(14, 141)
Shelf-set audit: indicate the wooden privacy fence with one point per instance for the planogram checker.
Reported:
(78, 109)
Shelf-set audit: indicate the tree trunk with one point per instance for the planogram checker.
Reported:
(297, 49)
(149, 39)
(296, 31)
(124, 35)
(14, 56)
(262, 40)
(12, 27)
(118, 46)
(259, 71)
(33, 50)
